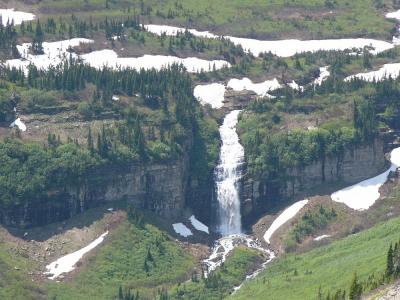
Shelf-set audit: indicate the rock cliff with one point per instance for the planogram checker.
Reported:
(355, 165)
(160, 188)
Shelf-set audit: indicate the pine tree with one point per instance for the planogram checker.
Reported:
(389, 262)
(38, 38)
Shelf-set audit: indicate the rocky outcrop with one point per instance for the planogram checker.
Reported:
(355, 165)
(160, 188)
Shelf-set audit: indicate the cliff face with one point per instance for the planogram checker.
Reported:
(261, 194)
(160, 188)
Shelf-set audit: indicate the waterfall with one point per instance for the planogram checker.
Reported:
(227, 175)
(227, 179)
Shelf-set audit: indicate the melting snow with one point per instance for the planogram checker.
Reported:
(388, 70)
(54, 54)
(110, 58)
(323, 75)
(212, 94)
(181, 229)
(171, 30)
(67, 263)
(260, 89)
(19, 124)
(318, 238)
(287, 214)
(9, 15)
(198, 225)
(287, 48)
(363, 195)
(57, 52)
(295, 86)
(393, 15)
(283, 48)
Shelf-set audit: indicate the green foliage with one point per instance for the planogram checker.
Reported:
(220, 283)
(120, 262)
(330, 267)
(309, 223)
(29, 171)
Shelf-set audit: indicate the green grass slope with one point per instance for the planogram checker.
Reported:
(256, 18)
(299, 276)
(141, 259)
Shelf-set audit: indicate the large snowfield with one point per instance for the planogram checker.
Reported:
(283, 48)
(57, 52)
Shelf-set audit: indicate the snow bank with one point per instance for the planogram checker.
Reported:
(57, 52)
(287, 48)
(212, 94)
(323, 75)
(54, 54)
(67, 263)
(363, 195)
(19, 124)
(110, 58)
(283, 48)
(287, 214)
(198, 225)
(388, 70)
(321, 237)
(171, 30)
(182, 230)
(393, 15)
(260, 89)
(9, 15)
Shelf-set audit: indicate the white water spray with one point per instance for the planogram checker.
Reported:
(228, 174)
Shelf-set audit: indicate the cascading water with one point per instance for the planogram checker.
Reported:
(228, 174)
(227, 180)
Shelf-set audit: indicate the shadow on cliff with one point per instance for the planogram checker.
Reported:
(83, 220)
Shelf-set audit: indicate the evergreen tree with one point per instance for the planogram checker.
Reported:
(390, 262)
(38, 38)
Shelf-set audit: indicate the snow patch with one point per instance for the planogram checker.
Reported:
(54, 54)
(198, 225)
(19, 124)
(393, 15)
(288, 48)
(109, 58)
(212, 94)
(182, 230)
(295, 86)
(261, 89)
(323, 75)
(283, 48)
(287, 214)
(321, 237)
(57, 52)
(386, 71)
(68, 262)
(172, 31)
(363, 195)
(11, 15)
